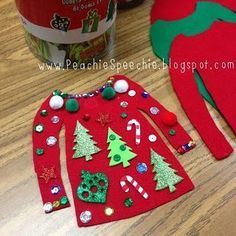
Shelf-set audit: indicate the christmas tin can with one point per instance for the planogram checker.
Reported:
(64, 32)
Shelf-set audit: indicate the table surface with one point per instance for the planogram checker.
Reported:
(208, 210)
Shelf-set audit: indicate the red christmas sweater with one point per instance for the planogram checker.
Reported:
(117, 163)
(213, 55)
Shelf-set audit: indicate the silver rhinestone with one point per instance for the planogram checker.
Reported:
(51, 141)
(154, 110)
(131, 93)
(124, 104)
(152, 138)
(55, 119)
(47, 207)
(85, 216)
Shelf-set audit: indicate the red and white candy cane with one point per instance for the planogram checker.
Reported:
(124, 186)
(137, 130)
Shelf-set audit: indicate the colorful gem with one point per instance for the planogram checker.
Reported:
(39, 128)
(55, 119)
(57, 92)
(56, 102)
(154, 110)
(186, 147)
(44, 113)
(108, 93)
(64, 95)
(56, 204)
(145, 94)
(48, 207)
(128, 202)
(86, 117)
(86, 217)
(64, 200)
(85, 146)
(131, 93)
(142, 168)
(93, 188)
(48, 174)
(123, 115)
(172, 132)
(121, 86)
(39, 151)
(124, 104)
(104, 119)
(51, 141)
(169, 118)
(109, 211)
(55, 190)
(72, 105)
(152, 138)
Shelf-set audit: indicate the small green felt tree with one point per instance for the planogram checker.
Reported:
(84, 146)
(166, 177)
(111, 10)
(119, 151)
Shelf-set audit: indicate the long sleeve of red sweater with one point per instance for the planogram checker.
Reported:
(212, 53)
(117, 164)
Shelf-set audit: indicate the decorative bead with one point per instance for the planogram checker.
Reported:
(56, 102)
(48, 207)
(39, 151)
(145, 94)
(112, 137)
(141, 168)
(128, 202)
(122, 147)
(117, 157)
(109, 211)
(55, 119)
(154, 110)
(86, 117)
(51, 141)
(55, 190)
(124, 104)
(56, 204)
(64, 200)
(123, 115)
(152, 138)
(108, 93)
(64, 95)
(72, 105)
(169, 118)
(44, 113)
(57, 92)
(121, 86)
(39, 128)
(131, 93)
(86, 217)
(172, 132)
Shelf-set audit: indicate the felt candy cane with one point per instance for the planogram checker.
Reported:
(137, 130)
(130, 179)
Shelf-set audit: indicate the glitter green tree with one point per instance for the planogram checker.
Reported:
(166, 177)
(119, 151)
(85, 146)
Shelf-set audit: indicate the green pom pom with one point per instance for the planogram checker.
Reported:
(72, 105)
(108, 93)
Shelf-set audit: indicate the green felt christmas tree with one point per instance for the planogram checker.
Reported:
(166, 177)
(85, 146)
(111, 10)
(119, 151)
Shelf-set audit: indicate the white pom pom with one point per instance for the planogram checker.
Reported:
(121, 86)
(56, 102)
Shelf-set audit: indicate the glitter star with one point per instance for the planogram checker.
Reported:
(104, 119)
(47, 174)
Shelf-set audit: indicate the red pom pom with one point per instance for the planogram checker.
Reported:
(169, 118)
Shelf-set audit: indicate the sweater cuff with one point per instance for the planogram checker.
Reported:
(53, 195)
